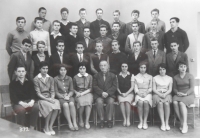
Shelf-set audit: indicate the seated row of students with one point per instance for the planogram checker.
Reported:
(83, 31)
(58, 93)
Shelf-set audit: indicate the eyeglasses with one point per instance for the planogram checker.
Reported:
(61, 45)
(27, 45)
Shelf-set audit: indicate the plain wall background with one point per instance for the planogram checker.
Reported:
(186, 10)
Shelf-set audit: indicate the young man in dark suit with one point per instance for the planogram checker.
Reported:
(155, 57)
(95, 25)
(22, 57)
(78, 57)
(118, 35)
(135, 58)
(173, 58)
(59, 57)
(104, 89)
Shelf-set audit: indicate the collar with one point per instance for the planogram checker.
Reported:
(135, 33)
(116, 21)
(23, 52)
(98, 54)
(128, 73)
(65, 23)
(82, 22)
(104, 37)
(157, 20)
(39, 30)
(99, 20)
(152, 31)
(72, 34)
(175, 53)
(60, 52)
(155, 50)
(40, 76)
(86, 37)
(19, 30)
(85, 75)
(115, 33)
(175, 30)
(136, 53)
(118, 51)
(25, 79)
(65, 78)
(80, 54)
(145, 75)
(58, 34)
(44, 20)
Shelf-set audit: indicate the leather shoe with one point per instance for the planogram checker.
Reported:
(102, 124)
(110, 124)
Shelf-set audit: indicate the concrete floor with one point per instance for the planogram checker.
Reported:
(118, 131)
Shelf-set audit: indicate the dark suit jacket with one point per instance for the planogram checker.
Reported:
(70, 43)
(100, 86)
(74, 62)
(54, 62)
(173, 65)
(17, 59)
(95, 28)
(133, 65)
(91, 46)
(122, 41)
(153, 63)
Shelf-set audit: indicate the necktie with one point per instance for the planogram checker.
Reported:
(154, 54)
(81, 58)
(87, 41)
(104, 77)
(61, 57)
(174, 56)
(25, 57)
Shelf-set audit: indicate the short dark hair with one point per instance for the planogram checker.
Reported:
(154, 20)
(135, 23)
(41, 8)
(20, 66)
(82, 9)
(174, 41)
(99, 41)
(26, 40)
(42, 64)
(115, 41)
(73, 24)
(21, 18)
(137, 42)
(86, 27)
(64, 9)
(181, 62)
(99, 9)
(155, 10)
(103, 26)
(56, 21)
(60, 41)
(162, 65)
(38, 18)
(124, 63)
(144, 63)
(116, 23)
(82, 64)
(80, 43)
(117, 11)
(135, 11)
(40, 42)
(154, 39)
(176, 19)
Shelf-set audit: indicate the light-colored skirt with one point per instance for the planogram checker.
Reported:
(128, 98)
(84, 100)
(147, 98)
(157, 99)
(46, 107)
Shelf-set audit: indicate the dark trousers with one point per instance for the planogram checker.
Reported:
(21, 111)
(109, 101)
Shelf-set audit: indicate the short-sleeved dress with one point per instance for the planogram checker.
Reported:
(45, 88)
(82, 83)
(162, 84)
(64, 86)
(185, 85)
(143, 83)
(124, 84)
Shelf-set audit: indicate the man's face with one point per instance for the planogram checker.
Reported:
(86, 32)
(99, 14)
(99, 47)
(79, 48)
(154, 25)
(56, 26)
(25, 47)
(135, 27)
(115, 46)
(39, 24)
(20, 72)
(154, 45)
(42, 13)
(64, 15)
(173, 23)
(137, 47)
(116, 27)
(174, 47)
(83, 14)
(154, 15)
(103, 66)
(103, 31)
(74, 30)
(116, 16)
(135, 16)
(60, 47)
(21, 23)
(44, 70)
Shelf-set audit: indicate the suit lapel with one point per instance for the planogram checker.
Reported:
(151, 56)
(157, 55)
(171, 58)
(178, 58)
(57, 57)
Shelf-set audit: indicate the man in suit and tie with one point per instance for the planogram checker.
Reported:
(95, 25)
(21, 57)
(104, 88)
(78, 57)
(59, 57)
(116, 15)
(135, 58)
(88, 43)
(155, 57)
(131, 38)
(173, 58)
(118, 35)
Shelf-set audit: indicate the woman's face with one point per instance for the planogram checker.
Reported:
(162, 71)
(182, 68)
(124, 67)
(63, 71)
(41, 48)
(82, 70)
(44, 70)
(143, 69)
